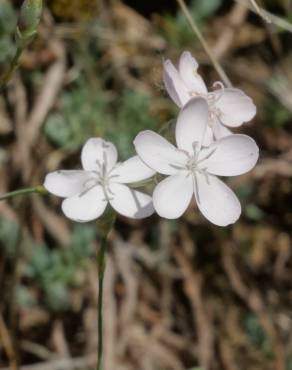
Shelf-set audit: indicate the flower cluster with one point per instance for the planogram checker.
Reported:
(205, 148)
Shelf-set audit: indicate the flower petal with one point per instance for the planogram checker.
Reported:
(158, 153)
(132, 170)
(129, 202)
(230, 156)
(209, 136)
(174, 84)
(191, 124)
(85, 206)
(216, 201)
(188, 67)
(172, 195)
(66, 183)
(98, 154)
(236, 107)
(220, 130)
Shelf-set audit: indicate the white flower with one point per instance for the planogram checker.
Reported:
(101, 181)
(227, 106)
(191, 166)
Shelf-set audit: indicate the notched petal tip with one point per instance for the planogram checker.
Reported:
(187, 57)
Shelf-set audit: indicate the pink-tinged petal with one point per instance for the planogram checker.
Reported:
(191, 124)
(66, 183)
(172, 195)
(235, 107)
(158, 153)
(188, 67)
(86, 206)
(174, 84)
(98, 155)
(132, 170)
(220, 131)
(230, 156)
(129, 202)
(216, 201)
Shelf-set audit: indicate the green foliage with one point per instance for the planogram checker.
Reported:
(256, 334)
(9, 237)
(176, 29)
(29, 19)
(276, 115)
(203, 9)
(253, 212)
(30, 15)
(8, 18)
(245, 191)
(8, 21)
(289, 363)
(24, 296)
(55, 271)
(82, 115)
(133, 116)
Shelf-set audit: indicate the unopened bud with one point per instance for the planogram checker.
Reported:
(29, 19)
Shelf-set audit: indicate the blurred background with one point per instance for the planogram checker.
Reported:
(179, 295)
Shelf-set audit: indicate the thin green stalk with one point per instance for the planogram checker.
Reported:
(208, 51)
(104, 227)
(38, 189)
(101, 267)
(13, 66)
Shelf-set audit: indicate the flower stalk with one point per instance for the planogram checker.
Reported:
(104, 227)
(38, 189)
(29, 18)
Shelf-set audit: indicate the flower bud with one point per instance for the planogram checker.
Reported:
(29, 19)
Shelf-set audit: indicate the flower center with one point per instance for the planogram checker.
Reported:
(194, 164)
(212, 98)
(101, 177)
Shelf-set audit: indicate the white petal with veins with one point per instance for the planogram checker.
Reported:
(230, 156)
(174, 84)
(192, 124)
(188, 67)
(216, 201)
(158, 153)
(172, 195)
(98, 154)
(132, 170)
(235, 107)
(66, 183)
(86, 206)
(129, 202)
(220, 130)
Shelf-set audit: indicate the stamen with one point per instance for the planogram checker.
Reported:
(207, 156)
(176, 166)
(221, 88)
(196, 149)
(104, 164)
(85, 191)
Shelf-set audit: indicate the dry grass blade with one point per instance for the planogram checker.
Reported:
(266, 15)
(206, 47)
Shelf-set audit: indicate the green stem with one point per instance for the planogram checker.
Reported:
(38, 189)
(13, 66)
(104, 226)
(101, 268)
